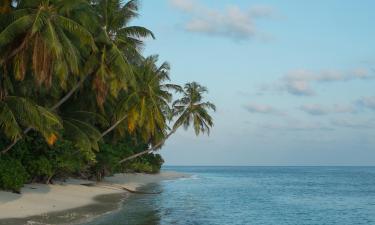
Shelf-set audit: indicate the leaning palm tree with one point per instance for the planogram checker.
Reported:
(190, 109)
(62, 25)
(145, 107)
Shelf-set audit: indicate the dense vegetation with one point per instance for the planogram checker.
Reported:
(78, 98)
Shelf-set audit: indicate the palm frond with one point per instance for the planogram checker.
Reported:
(17, 112)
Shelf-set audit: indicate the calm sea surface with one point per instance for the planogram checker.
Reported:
(255, 196)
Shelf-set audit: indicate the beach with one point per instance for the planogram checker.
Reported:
(41, 199)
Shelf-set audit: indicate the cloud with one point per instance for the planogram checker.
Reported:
(261, 109)
(262, 11)
(367, 102)
(296, 125)
(300, 82)
(348, 123)
(318, 110)
(231, 22)
(184, 5)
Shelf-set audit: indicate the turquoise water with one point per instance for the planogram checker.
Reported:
(255, 196)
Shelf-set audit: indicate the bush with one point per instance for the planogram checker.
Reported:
(156, 162)
(12, 174)
(67, 160)
(140, 167)
(40, 169)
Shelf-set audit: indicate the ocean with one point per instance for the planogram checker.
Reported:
(254, 196)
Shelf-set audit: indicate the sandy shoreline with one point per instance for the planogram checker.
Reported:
(38, 199)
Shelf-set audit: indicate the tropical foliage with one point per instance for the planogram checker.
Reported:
(78, 98)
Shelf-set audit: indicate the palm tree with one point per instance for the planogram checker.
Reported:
(145, 108)
(119, 46)
(42, 34)
(108, 68)
(189, 110)
(47, 38)
(115, 18)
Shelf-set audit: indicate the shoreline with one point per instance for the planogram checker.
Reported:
(70, 200)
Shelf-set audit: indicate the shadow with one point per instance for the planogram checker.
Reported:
(8, 196)
(104, 204)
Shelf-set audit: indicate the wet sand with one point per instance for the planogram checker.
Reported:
(71, 202)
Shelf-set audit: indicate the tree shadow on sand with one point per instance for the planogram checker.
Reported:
(104, 204)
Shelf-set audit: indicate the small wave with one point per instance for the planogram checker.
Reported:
(184, 178)
(192, 177)
(30, 222)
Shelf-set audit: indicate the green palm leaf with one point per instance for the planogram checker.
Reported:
(17, 112)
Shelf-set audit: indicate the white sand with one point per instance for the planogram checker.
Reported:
(37, 199)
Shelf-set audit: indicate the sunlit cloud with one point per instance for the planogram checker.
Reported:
(231, 22)
(262, 109)
(302, 82)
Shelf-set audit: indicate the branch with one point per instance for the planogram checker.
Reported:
(148, 150)
(112, 127)
(56, 106)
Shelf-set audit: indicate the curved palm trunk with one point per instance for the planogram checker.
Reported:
(148, 150)
(71, 92)
(57, 105)
(112, 127)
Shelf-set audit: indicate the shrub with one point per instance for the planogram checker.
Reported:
(156, 162)
(66, 159)
(140, 167)
(12, 174)
(40, 169)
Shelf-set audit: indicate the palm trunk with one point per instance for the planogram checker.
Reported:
(56, 106)
(14, 142)
(112, 127)
(71, 92)
(148, 150)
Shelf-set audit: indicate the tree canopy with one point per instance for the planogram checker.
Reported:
(78, 98)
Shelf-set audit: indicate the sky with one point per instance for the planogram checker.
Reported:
(293, 81)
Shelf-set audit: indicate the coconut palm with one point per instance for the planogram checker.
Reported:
(115, 18)
(189, 110)
(69, 66)
(119, 46)
(43, 37)
(145, 108)
(109, 68)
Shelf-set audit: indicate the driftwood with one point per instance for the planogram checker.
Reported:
(119, 187)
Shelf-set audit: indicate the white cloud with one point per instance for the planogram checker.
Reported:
(261, 108)
(262, 11)
(184, 5)
(232, 22)
(317, 109)
(367, 102)
(300, 82)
